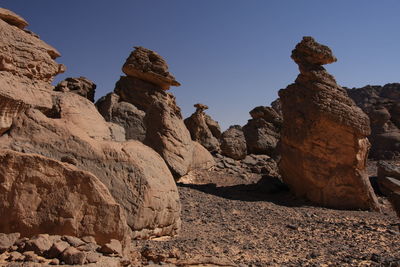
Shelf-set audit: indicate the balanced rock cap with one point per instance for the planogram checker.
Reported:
(200, 107)
(12, 18)
(149, 66)
(310, 52)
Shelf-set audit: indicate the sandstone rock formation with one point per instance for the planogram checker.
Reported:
(323, 140)
(198, 126)
(81, 86)
(233, 143)
(66, 127)
(262, 132)
(41, 195)
(124, 114)
(148, 113)
(382, 104)
(27, 67)
(147, 65)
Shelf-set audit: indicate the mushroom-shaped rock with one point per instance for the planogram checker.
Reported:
(324, 141)
(198, 126)
(149, 66)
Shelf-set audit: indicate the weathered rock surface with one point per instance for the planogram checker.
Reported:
(124, 114)
(233, 143)
(202, 159)
(135, 175)
(41, 195)
(27, 67)
(388, 177)
(382, 104)
(323, 140)
(262, 132)
(12, 18)
(81, 86)
(26, 55)
(147, 65)
(198, 126)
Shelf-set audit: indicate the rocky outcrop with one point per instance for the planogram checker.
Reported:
(81, 86)
(262, 132)
(233, 143)
(135, 175)
(147, 65)
(65, 127)
(46, 250)
(124, 114)
(27, 67)
(198, 126)
(150, 114)
(41, 195)
(382, 104)
(323, 140)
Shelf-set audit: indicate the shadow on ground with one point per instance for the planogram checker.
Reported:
(267, 189)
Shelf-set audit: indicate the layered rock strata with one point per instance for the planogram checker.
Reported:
(324, 143)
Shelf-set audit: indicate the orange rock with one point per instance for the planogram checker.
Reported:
(324, 143)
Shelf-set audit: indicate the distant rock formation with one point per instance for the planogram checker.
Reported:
(148, 113)
(233, 143)
(262, 132)
(323, 140)
(132, 191)
(81, 86)
(204, 129)
(382, 104)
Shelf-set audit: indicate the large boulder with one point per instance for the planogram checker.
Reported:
(324, 141)
(42, 195)
(381, 103)
(81, 86)
(135, 175)
(233, 143)
(197, 124)
(262, 132)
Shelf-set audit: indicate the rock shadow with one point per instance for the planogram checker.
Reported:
(269, 189)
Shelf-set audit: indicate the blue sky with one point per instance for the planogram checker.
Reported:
(231, 55)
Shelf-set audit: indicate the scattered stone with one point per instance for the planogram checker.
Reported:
(39, 244)
(113, 247)
(7, 241)
(57, 248)
(16, 256)
(31, 256)
(73, 256)
(92, 257)
(73, 241)
(324, 141)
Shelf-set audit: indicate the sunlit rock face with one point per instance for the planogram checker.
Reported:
(324, 143)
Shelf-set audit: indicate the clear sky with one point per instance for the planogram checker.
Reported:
(231, 55)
